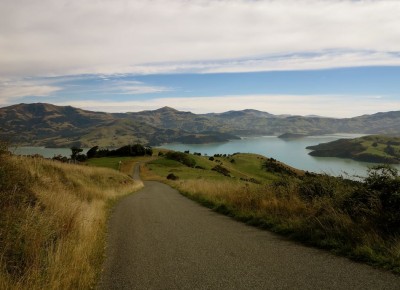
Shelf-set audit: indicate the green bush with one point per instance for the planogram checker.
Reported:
(182, 158)
(172, 176)
(383, 186)
(271, 165)
(377, 200)
(317, 186)
(221, 169)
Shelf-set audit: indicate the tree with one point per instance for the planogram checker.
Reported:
(148, 150)
(75, 151)
(92, 152)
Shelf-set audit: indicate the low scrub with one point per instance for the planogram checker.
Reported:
(274, 166)
(183, 158)
(172, 176)
(52, 222)
(221, 169)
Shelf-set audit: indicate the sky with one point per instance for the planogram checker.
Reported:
(336, 58)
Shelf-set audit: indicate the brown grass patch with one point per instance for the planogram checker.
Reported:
(52, 226)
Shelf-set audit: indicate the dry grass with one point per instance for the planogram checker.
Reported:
(147, 174)
(245, 201)
(52, 226)
(320, 210)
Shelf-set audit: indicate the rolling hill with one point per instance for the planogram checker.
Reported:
(42, 124)
(371, 148)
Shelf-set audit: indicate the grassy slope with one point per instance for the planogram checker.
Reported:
(113, 163)
(316, 210)
(52, 224)
(368, 148)
(243, 167)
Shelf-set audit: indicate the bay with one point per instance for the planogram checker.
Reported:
(290, 151)
(45, 152)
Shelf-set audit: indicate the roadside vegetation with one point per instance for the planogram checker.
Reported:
(358, 219)
(53, 221)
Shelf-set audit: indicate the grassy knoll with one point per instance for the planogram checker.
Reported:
(356, 219)
(373, 148)
(52, 224)
(126, 165)
(239, 167)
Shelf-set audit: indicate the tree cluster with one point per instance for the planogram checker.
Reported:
(124, 151)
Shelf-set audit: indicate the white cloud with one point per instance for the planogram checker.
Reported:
(131, 87)
(11, 91)
(137, 90)
(323, 105)
(78, 84)
(119, 36)
(278, 62)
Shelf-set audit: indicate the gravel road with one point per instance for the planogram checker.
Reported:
(159, 239)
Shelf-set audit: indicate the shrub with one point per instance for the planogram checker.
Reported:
(252, 180)
(383, 183)
(60, 158)
(172, 176)
(221, 169)
(181, 157)
(81, 157)
(317, 186)
(272, 165)
(377, 200)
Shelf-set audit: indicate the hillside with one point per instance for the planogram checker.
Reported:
(358, 219)
(54, 126)
(53, 221)
(373, 148)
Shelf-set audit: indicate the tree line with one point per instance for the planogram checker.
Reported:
(96, 152)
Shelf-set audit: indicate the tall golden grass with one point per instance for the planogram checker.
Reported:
(53, 222)
(257, 201)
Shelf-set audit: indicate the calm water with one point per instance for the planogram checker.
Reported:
(292, 152)
(45, 152)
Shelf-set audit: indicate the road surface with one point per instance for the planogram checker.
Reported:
(159, 239)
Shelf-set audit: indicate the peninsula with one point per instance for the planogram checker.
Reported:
(372, 148)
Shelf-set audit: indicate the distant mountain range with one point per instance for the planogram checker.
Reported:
(48, 125)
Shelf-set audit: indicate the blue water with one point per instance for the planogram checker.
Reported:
(45, 152)
(292, 152)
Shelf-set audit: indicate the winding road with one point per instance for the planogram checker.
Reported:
(159, 239)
